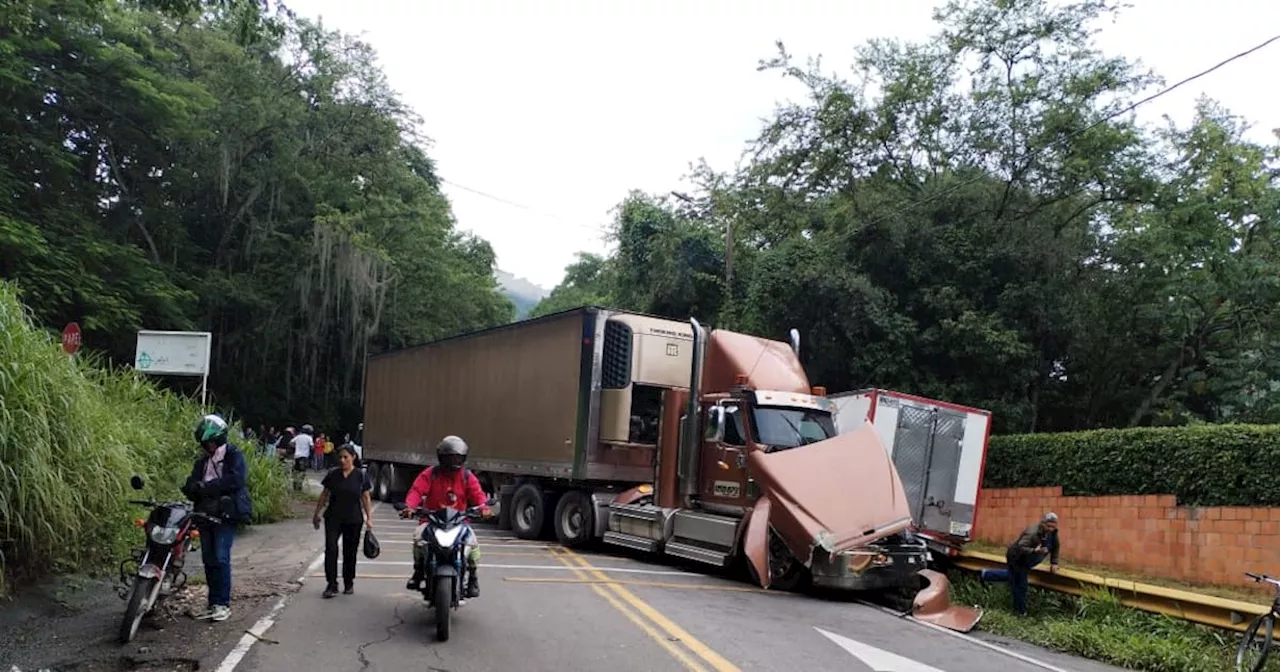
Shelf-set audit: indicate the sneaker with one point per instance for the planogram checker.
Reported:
(221, 612)
(330, 591)
(204, 615)
(348, 590)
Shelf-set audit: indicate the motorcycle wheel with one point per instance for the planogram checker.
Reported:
(142, 589)
(444, 602)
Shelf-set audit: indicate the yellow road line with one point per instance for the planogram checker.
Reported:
(651, 584)
(656, 636)
(715, 660)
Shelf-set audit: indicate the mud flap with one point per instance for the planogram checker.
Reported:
(933, 605)
(755, 541)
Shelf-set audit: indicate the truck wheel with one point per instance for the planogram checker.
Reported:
(528, 511)
(383, 487)
(575, 518)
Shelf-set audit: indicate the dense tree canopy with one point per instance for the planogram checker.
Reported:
(220, 165)
(973, 218)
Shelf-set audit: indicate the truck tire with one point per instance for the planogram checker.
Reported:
(574, 519)
(383, 483)
(528, 511)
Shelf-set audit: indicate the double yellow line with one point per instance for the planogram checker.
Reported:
(620, 598)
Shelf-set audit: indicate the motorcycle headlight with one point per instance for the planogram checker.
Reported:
(446, 537)
(164, 535)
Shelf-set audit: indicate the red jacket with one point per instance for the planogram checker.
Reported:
(434, 492)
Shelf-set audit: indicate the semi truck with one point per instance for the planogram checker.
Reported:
(655, 435)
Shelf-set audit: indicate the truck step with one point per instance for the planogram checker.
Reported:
(632, 541)
(681, 549)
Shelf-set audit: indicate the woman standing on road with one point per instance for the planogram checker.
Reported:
(346, 491)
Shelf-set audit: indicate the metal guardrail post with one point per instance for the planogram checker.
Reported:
(1204, 609)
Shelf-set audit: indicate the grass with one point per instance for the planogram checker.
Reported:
(1099, 627)
(72, 432)
(1244, 593)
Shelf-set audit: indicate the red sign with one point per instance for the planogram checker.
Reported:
(71, 338)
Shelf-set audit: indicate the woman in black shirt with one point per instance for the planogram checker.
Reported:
(346, 491)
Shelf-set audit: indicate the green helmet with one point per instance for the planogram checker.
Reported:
(211, 428)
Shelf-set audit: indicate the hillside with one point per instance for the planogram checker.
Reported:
(524, 294)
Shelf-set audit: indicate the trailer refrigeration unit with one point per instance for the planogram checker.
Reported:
(940, 451)
(655, 435)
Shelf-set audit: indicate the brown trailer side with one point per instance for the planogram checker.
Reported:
(516, 393)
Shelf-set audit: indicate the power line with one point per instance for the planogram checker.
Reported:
(1103, 120)
(499, 199)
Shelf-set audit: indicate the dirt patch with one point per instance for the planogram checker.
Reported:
(71, 623)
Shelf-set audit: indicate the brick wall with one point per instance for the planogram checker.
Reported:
(1142, 534)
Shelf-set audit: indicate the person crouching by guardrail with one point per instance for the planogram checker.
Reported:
(1027, 551)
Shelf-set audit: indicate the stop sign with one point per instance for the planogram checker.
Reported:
(71, 338)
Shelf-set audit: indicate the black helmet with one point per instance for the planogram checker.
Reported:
(211, 428)
(451, 453)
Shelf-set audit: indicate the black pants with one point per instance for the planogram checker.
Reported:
(350, 534)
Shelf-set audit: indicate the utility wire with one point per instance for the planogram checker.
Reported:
(499, 199)
(1103, 120)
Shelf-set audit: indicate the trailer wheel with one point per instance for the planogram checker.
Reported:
(574, 518)
(383, 487)
(528, 511)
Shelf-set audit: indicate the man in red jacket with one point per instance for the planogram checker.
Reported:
(447, 485)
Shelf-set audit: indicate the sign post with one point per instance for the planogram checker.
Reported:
(175, 353)
(71, 338)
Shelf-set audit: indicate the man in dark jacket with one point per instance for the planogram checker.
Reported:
(1027, 551)
(217, 487)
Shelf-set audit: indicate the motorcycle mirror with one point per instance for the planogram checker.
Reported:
(399, 506)
(135, 481)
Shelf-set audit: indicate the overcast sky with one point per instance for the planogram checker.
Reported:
(545, 113)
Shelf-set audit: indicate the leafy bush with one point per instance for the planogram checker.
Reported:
(72, 432)
(1204, 465)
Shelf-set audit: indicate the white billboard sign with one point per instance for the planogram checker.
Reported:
(175, 353)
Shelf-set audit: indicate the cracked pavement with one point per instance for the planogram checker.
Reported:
(544, 608)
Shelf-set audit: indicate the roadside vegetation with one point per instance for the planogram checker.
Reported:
(1099, 627)
(72, 432)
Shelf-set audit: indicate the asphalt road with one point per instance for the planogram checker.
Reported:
(545, 608)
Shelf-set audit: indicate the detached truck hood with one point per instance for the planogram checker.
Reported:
(832, 495)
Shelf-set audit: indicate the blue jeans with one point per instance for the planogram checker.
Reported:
(215, 549)
(1017, 575)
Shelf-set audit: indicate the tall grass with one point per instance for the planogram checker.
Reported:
(1099, 627)
(72, 432)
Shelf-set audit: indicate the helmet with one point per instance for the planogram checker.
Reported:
(308, 429)
(211, 428)
(451, 453)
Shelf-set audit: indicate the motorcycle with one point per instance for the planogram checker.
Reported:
(444, 560)
(170, 534)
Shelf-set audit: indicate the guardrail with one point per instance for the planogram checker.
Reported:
(1205, 609)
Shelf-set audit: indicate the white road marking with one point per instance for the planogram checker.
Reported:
(972, 640)
(876, 659)
(260, 628)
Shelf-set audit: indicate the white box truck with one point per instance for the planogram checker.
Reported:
(940, 451)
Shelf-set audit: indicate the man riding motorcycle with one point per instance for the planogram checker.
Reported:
(443, 486)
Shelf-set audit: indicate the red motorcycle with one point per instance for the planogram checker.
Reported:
(170, 533)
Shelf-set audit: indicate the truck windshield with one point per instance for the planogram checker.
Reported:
(782, 428)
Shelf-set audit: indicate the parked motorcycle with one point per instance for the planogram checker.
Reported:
(444, 557)
(170, 534)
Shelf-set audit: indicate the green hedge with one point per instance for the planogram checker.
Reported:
(1204, 465)
(72, 432)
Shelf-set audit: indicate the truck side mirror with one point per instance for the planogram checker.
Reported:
(717, 420)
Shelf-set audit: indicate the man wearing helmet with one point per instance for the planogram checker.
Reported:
(217, 487)
(447, 484)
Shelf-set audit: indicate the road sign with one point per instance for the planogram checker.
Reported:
(175, 353)
(71, 338)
